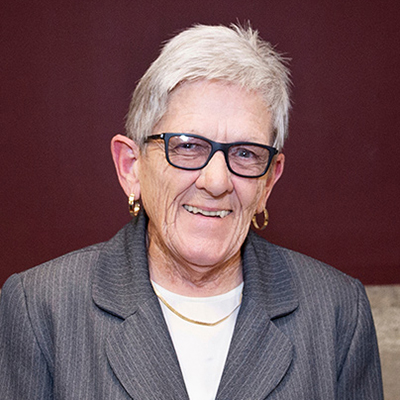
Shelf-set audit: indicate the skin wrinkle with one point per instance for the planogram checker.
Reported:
(178, 270)
(192, 254)
(188, 268)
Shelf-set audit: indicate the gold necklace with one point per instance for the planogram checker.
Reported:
(177, 313)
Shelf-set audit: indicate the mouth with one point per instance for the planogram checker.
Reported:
(195, 210)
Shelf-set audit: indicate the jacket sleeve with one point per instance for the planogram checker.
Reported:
(24, 372)
(360, 377)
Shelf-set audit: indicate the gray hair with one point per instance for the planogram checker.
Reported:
(233, 55)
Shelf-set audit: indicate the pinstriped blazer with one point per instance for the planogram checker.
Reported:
(89, 326)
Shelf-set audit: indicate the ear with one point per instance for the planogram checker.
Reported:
(125, 153)
(273, 175)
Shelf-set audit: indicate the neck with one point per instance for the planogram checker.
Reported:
(182, 277)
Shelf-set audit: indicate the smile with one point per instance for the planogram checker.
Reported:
(195, 210)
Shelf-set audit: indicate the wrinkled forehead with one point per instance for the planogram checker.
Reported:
(226, 111)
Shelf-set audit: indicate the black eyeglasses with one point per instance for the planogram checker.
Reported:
(193, 152)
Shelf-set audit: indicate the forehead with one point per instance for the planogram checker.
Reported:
(219, 111)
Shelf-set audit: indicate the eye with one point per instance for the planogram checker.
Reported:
(188, 146)
(243, 152)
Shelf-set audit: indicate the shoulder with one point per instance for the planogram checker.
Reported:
(74, 266)
(64, 280)
(330, 302)
(74, 269)
(69, 279)
(299, 265)
(313, 280)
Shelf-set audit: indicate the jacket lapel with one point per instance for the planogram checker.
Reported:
(260, 353)
(142, 356)
(259, 356)
(139, 349)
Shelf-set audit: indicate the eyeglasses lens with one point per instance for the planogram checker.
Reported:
(248, 159)
(188, 152)
(193, 153)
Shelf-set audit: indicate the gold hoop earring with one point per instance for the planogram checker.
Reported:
(134, 206)
(265, 223)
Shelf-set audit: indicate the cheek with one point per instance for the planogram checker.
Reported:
(150, 187)
(162, 187)
(251, 195)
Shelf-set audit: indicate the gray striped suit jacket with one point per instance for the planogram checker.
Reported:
(89, 326)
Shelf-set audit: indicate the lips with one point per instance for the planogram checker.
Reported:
(195, 210)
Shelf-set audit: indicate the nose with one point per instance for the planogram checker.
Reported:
(215, 177)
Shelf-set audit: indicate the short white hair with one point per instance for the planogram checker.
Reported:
(228, 54)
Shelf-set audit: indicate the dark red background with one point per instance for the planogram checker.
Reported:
(67, 72)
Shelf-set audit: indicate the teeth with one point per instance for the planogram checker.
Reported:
(195, 210)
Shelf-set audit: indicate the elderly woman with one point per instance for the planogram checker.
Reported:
(185, 302)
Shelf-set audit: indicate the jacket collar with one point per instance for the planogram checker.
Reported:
(267, 277)
(121, 279)
(121, 286)
(118, 288)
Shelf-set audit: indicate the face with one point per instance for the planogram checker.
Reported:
(202, 217)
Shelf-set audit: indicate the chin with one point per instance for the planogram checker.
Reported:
(205, 254)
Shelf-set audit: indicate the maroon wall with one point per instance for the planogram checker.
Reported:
(69, 67)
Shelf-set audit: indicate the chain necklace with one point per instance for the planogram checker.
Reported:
(177, 313)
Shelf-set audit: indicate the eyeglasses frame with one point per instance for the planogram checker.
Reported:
(215, 146)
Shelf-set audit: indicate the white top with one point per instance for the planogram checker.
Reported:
(201, 350)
